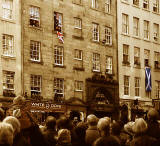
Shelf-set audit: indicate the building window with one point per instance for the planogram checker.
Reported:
(96, 62)
(108, 6)
(136, 2)
(136, 56)
(35, 50)
(157, 60)
(157, 86)
(58, 89)
(58, 55)
(146, 29)
(95, 32)
(155, 32)
(156, 6)
(78, 54)
(95, 4)
(146, 58)
(36, 84)
(35, 16)
(79, 86)
(58, 21)
(135, 26)
(137, 86)
(126, 85)
(78, 59)
(125, 24)
(125, 54)
(108, 35)
(146, 4)
(8, 49)
(77, 23)
(109, 63)
(7, 9)
(8, 83)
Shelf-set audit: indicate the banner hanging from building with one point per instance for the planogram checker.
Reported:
(148, 81)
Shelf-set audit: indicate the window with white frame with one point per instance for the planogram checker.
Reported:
(35, 16)
(146, 30)
(157, 92)
(95, 4)
(77, 23)
(8, 81)
(109, 64)
(35, 50)
(58, 55)
(137, 86)
(125, 24)
(95, 32)
(135, 26)
(155, 31)
(136, 56)
(96, 62)
(136, 2)
(58, 89)
(36, 84)
(7, 9)
(146, 57)
(156, 6)
(108, 35)
(78, 54)
(108, 6)
(146, 4)
(58, 21)
(126, 85)
(8, 45)
(125, 54)
(79, 86)
(157, 60)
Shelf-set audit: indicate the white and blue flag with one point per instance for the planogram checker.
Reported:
(148, 81)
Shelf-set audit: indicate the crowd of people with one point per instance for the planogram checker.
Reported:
(18, 131)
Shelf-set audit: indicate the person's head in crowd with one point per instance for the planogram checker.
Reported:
(51, 122)
(115, 128)
(80, 129)
(128, 127)
(140, 126)
(63, 123)
(18, 100)
(152, 114)
(104, 126)
(17, 113)
(64, 136)
(92, 120)
(6, 134)
(14, 122)
(2, 115)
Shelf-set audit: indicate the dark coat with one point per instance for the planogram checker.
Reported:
(143, 140)
(91, 135)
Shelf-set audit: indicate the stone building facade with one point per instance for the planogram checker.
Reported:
(69, 51)
(10, 52)
(138, 50)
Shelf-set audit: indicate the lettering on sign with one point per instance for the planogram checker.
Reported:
(46, 105)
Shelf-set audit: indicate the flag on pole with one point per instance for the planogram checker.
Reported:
(148, 81)
(60, 36)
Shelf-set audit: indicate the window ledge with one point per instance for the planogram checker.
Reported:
(124, 34)
(34, 27)
(36, 62)
(8, 20)
(157, 13)
(137, 66)
(95, 9)
(146, 9)
(97, 42)
(55, 32)
(78, 37)
(156, 42)
(126, 64)
(147, 40)
(77, 3)
(60, 66)
(157, 69)
(96, 71)
(8, 57)
(136, 6)
(125, 2)
(136, 37)
(78, 68)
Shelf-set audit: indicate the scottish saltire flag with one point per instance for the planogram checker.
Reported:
(148, 82)
(60, 36)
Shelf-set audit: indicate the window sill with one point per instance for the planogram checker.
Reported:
(136, 37)
(157, 13)
(125, 2)
(59, 66)
(95, 9)
(96, 71)
(8, 20)
(124, 34)
(156, 42)
(8, 57)
(147, 40)
(145, 9)
(136, 6)
(78, 68)
(36, 62)
(78, 37)
(34, 27)
(157, 69)
(97, 42)
(79, 4)
(126, 64)
(137, 66)
(55, 32)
